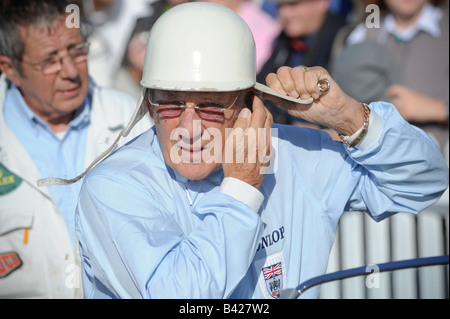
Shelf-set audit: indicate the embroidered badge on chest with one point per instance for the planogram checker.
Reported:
(9, 262)
(8, 181)
(272, 274)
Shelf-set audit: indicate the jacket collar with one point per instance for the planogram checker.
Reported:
(11, 149)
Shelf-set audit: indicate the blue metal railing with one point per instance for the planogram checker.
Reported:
(361, 271)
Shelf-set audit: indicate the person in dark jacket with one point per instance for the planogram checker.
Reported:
(309, 29)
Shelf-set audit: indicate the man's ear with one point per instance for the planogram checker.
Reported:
(10, 71)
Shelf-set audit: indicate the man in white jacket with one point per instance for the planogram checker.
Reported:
(54, 121)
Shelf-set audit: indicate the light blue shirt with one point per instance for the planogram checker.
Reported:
(53, 155)
(147, 232)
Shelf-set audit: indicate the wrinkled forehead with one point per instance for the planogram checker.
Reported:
(49, 35)
(47, 27)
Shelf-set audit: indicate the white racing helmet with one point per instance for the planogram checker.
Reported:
(200, 47)
(196, 46)
(204, 47)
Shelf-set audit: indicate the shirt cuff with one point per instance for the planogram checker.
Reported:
(374, 131)
(242, 191)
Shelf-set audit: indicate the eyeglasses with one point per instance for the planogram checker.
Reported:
(52, 65)
(209, 111)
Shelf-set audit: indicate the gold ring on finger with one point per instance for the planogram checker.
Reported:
(304, 68)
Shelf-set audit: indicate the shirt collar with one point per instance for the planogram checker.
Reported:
(428, 22)
(82, 114)
(20, 104)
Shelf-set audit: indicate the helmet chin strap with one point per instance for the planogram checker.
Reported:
(139, 113)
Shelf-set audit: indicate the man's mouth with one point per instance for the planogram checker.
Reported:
(191, 149)
(192, 153)
(70, 91)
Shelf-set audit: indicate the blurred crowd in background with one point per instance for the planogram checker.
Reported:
(117, 31)
(395, 51)
(377, 50)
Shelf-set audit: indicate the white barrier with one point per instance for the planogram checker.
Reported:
(361, 241)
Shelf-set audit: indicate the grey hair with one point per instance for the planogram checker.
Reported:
(25, 13)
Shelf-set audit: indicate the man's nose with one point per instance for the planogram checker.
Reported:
(68, 67)
(190, 122)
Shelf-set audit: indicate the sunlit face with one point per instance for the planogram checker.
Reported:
(405, 8)
(54, 95)
(192, 140)
(302, 18)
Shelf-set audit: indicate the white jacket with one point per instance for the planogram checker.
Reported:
(37, 259)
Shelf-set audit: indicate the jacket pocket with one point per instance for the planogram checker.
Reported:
(26, 279)
(15, 220)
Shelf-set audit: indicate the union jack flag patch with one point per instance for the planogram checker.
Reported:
(273, 278)
(272, 275)
(272, 271)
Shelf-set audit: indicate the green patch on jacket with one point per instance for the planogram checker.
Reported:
(8, 181)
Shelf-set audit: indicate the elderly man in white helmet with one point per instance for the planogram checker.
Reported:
(215, 201)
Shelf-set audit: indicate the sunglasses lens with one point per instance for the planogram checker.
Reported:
(169, 112)
(209, 115)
